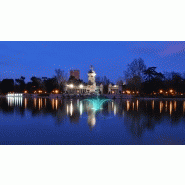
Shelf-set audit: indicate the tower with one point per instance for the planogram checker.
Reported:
(91, 80)
(91, 76)
(75, 73)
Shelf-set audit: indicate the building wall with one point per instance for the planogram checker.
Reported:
(75, 73)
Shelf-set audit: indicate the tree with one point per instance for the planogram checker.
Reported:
(36, 82)
(20, 83)
(74, 81)
(134, 75)
(135, 68)
(151, 73)
(7, 85)
(50, 84)
(61, 77)
(134, 83)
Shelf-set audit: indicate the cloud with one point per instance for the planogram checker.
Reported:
(162, 49)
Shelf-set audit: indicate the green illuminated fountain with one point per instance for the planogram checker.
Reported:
(96, 102)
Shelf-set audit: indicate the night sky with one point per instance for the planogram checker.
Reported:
(40, 59)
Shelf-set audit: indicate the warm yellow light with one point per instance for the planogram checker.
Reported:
(81, 86)
(171, 90)
(161, 91)
(123, 92)
(56, 91)
(128, 92)
(71, 85)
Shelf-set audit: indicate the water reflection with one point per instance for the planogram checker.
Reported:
(138, 115)
(15, 101)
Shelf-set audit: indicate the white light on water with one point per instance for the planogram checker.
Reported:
(71, 109)
(14, 101)
(81, 108)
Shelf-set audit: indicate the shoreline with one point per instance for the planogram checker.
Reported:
(60, 96)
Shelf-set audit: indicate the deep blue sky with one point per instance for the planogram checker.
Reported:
(108, 58)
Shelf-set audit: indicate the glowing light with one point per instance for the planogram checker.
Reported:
(53, 103)
(71, 85)
(137, 103)
(35, 102)
(161, 91)
(81, 86)
(161, 106)
(25, 101)
(175, 105)
(71, 109)
(81, 108)
(39, 103)
(166, 104)
(170, 107)
(153, 104)
(128, 92)
(56, 103)
(128, 105)
(114, 109)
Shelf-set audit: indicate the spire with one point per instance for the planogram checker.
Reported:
(91, 67)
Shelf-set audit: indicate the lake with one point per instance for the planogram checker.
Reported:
(44, 121)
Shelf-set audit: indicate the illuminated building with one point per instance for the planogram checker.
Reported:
(83, 88)
(113, 89)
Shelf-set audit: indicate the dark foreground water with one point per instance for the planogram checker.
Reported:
(56, 121)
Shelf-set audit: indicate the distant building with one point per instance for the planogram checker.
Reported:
(75, 73)
(83, 88)
(91, 87)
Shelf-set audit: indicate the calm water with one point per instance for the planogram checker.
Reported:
(56, 121)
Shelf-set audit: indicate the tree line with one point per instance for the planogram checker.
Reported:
(43, 84)
(136, 78)
(146, 80)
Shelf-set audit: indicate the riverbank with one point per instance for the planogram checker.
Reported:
(109, 96)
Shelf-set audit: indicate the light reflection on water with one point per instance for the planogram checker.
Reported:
(137, 116)
(110, 106)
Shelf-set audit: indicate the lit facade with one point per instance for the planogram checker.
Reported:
(113, 89)
(88, 88)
